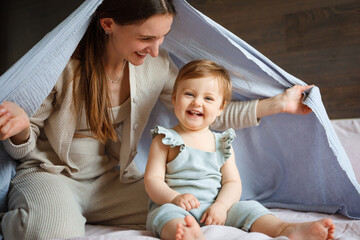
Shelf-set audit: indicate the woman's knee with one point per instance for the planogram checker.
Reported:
(20, 224)
(41, 206)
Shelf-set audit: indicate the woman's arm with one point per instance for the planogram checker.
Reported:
(290, 101)
(21, 138)
(20, 135)
(242, 114)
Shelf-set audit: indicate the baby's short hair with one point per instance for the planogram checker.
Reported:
(203, 68)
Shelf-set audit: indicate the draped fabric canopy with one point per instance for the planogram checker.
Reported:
(288, 161)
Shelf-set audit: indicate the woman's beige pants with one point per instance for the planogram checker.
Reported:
(45, 206)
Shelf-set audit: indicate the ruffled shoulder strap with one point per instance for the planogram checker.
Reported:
(171, 137)
(225, 140)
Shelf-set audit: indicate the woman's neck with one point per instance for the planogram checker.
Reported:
(113, 65)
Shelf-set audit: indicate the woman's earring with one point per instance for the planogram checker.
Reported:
(107, 32)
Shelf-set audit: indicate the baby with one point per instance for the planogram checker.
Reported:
(191, 176)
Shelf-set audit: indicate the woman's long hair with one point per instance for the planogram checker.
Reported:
(90, 85)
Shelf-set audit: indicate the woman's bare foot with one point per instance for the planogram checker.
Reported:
(319, 230)
(190, 230)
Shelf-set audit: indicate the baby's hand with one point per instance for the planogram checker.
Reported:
(186, 201)
(215, 215)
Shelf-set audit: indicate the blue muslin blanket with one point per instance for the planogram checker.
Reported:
(288, 161)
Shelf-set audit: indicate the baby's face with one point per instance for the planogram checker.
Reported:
(198, 102)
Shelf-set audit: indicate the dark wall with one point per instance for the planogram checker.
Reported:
(25, 22)
(316, 41)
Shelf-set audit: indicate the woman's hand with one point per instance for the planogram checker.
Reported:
(290, 101)
(14, 123)
(186, 201)
(215, 215)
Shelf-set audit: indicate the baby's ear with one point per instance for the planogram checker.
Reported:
(221, 109)
(173, 99)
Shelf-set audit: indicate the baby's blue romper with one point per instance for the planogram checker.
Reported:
(198, 172)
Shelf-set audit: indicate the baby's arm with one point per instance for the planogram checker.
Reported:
(155, 185)
(229, 194)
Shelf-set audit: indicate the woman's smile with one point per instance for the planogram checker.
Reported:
(141, 54)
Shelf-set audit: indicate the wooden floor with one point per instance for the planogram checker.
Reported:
(317, 41)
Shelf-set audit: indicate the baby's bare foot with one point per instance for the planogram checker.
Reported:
(319, 230)
(190, 230)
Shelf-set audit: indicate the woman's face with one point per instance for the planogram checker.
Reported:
(134, 42)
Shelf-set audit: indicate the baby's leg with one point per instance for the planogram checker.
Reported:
(169, 230)
(322, 229)
(166, 220)
(189, 230)
(254, 217)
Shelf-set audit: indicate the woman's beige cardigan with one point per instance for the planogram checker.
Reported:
(54, 123)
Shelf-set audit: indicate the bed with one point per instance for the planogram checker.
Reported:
(348, 131)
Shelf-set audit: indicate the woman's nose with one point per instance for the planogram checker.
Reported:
(154, 48)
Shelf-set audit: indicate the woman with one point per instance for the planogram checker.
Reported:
(91, 122)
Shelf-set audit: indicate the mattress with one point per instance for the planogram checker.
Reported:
(348, 131)
(346, 229)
